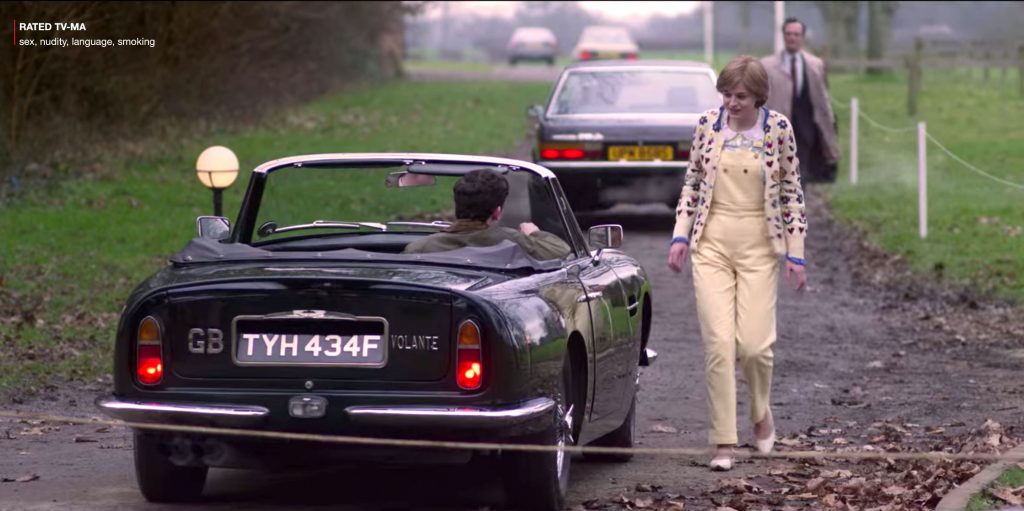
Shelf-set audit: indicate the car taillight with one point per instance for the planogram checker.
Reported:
(567, 153)
(469, 358)
(584, 55)
(683, 154)
(630, 56)
(149, 363)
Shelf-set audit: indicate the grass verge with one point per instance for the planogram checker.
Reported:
(1011, 479)
(74, 249)
(975, 225)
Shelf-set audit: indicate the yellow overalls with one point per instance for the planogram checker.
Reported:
(735, 276)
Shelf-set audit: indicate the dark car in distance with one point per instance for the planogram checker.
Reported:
(306, 316)
(619, 130)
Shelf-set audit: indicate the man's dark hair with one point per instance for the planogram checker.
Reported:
(478, 192)
(803, 28)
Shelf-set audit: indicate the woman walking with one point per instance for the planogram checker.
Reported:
(741, 209)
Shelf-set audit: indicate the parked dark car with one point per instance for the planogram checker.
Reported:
(619, 131)
(305, 316)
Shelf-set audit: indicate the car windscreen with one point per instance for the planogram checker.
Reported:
(606, 37)
(610, 91)
(332, 203)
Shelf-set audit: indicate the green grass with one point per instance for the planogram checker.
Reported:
(982, 501)
(74, 249)
(974, 224)
(446, 65)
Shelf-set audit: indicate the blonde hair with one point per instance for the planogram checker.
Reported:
(747, 71)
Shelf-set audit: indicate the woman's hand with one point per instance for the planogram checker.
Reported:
(677, 256)
(798, 272)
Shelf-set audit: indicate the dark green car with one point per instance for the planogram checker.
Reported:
(306, 316)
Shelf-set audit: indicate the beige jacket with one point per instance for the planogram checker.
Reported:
(783, 194)
(780, 97)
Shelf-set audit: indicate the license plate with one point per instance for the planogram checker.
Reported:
(300, 341)
(639, 152)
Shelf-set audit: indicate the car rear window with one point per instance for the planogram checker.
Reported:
(611, 91)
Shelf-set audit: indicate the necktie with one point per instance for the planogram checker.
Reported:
(792, 74)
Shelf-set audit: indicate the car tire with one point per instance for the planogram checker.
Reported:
(551, 61)
(540, 480)
(621, 437)
(159, 479)
(512, 62)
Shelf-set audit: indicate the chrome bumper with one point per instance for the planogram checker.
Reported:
(529, 416)
(522, 418)
(177, 413)
(595, 165)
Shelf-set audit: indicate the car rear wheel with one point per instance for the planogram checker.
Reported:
(621, 437)
(159, 479)
(540, 480)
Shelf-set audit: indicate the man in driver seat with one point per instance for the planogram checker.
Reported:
(479, 198)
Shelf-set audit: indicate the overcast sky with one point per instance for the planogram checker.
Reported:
(628, 12)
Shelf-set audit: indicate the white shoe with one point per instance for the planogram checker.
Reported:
(764, 446)
(721, 463)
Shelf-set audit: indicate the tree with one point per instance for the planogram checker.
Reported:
(879, 28)
(841, 18)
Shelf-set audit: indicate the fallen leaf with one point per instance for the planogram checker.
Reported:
(643, 503)
(675, 504)
(876, 364)
(661, 428)
(22, 479)
(1006, 495)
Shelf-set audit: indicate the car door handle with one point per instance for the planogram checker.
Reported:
(589, 295)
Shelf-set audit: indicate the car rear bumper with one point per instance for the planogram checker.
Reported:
(514, 419)
(654, 167)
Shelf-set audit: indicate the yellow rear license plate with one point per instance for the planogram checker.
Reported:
(639, 152)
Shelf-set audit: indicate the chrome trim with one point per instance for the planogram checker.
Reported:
(150, 411)
(536, 410)
(551, 164)
(398, 159)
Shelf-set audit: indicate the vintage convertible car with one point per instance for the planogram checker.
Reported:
(306, 316)
(620, 130)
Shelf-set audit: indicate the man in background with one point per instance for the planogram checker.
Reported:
(798, 89)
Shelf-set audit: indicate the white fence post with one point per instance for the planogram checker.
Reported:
(922, 182)
(854, 113)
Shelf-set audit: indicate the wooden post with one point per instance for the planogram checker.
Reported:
(986, 64)
(914, 77)
(922, 181)
(1020, 68)
(854, 114)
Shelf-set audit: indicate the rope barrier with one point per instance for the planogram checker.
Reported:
(493, 446)
(972, 167)
(935, 141)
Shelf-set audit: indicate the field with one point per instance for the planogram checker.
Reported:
(975, 224)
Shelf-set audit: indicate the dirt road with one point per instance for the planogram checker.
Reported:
(864, 346)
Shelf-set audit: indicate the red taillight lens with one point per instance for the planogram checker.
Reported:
(682, 154)
(584, 55)
(469, 360)
(572, 153)
(630, 56)
(549, 154)
(149, 363)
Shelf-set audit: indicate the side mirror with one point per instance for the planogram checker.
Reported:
(213, 227)
(407, 179)
(605, 236)
(535, 112)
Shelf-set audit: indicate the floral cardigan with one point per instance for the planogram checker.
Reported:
(783, 195)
